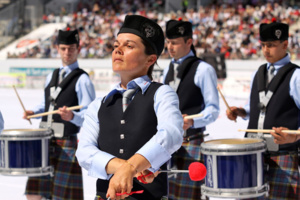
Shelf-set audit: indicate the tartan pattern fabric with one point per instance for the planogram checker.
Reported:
(128, 198)
(283, 177)
(181, 187)
(67, 180)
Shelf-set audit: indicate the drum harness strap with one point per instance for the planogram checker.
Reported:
(265, 96)
(178, 71)
(194, 137)
(53, 95)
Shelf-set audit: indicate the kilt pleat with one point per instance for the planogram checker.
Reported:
(67, 180)
(283, 177)
(181, 187)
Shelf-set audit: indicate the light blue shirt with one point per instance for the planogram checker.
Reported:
(85, 93)
(157, 150)
(294, 82)
(206, 79)
(1, 122)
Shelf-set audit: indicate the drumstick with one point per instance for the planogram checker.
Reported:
(193, 116)
(268, 131)
(224, 100)
(21, 102)
(53, 112)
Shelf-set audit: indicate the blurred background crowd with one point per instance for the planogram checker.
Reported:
(229, 28)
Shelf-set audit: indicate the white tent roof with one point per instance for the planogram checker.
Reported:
(31, 40)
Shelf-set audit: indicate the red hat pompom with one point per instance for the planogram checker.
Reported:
(68, 29)
(179, 19)
(274, 19)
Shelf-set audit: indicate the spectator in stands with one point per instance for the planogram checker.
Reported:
(67, 86)
(213, 25)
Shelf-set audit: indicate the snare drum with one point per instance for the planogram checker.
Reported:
(25, 152)
(234, 168)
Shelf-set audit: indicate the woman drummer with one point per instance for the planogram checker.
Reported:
(127, 144)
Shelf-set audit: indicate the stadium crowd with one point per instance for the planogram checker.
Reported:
(229, 29)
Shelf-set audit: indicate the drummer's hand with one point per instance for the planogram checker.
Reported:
(234, 112)
(187, 123)
(65, 114)
(121, 182)
(147, 176)
(27, 113)
(283, 138)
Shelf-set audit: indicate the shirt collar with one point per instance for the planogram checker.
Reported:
(280, 63)
(180, 60)
(70, 67)
(142, 82)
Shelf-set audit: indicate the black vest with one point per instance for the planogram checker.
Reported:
(67, 97)
(190, 96)
(281, 109)
(139, 118)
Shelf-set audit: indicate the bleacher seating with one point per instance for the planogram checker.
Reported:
(229, 29)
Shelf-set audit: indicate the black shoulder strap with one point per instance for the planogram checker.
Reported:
(54, 78)
(281, 75)
(75, 73)
(261, 76)
(186, 65)
(170, 74)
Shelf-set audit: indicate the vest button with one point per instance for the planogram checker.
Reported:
(122, 136)
(121, 151)
(122, 121)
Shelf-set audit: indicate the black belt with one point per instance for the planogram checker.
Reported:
(65, 137)
(281, 153)
(194, 137)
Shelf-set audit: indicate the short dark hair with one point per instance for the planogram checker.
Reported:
(149, 51)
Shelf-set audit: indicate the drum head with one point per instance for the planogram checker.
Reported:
(234, 144)
(234, 141)
(25, 133)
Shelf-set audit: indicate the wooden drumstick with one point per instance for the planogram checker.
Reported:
(193, 116)
(224, 100)
(21, 102)
(53, 112)
(268, 131)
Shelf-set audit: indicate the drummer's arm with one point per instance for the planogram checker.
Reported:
(65, 114)
(284, 138)
(85, 95)
(40, 108)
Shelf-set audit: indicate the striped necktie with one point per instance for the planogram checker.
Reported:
(175, 65)
(127, 96)
(62, 74)
(271, 73)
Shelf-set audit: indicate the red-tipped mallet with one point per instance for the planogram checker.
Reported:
(197, 172)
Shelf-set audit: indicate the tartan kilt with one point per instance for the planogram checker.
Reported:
(181, 187)
(67, 180)
(283, 177)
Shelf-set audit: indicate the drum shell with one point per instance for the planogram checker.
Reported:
(233, 165)
(25, 152)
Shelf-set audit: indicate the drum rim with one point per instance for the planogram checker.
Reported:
(251, 192)
(210, 146)
(25, 133)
